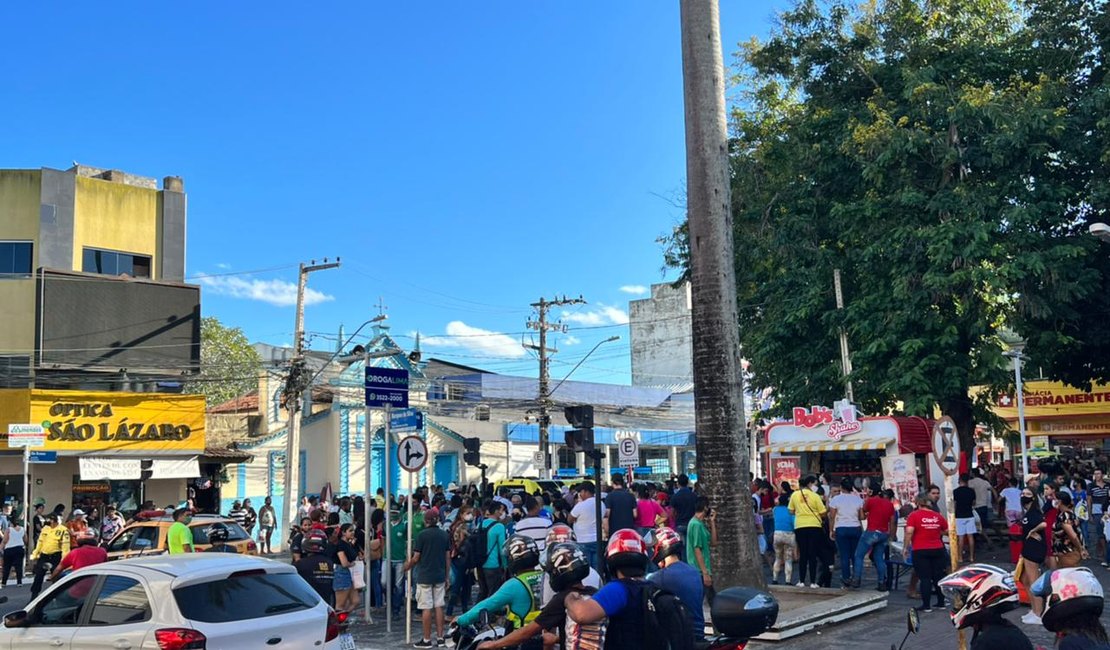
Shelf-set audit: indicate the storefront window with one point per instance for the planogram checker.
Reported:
(125, 494)
(89, 495)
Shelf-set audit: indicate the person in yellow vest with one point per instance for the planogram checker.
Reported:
(53, 544)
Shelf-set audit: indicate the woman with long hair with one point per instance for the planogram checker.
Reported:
(377, 552)
(809, 510)
(461, 578)
(1067, 546)
(343, 540)
(1033, 551)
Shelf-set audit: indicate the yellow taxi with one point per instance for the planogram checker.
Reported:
(522, 484)
(149, 536)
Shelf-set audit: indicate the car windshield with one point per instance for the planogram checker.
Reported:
(245, 597)
(549, 486)
(235, 532)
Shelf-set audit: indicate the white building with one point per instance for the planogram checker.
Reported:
(662, 347)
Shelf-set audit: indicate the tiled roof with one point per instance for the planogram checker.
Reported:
(247, 403)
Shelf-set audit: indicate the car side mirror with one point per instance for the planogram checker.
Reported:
(16, 619)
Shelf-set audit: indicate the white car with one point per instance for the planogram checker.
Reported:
(206, 601)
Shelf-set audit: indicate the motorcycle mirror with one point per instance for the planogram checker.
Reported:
(913, 622)
(483, 618)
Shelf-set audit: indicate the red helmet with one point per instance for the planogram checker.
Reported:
(559, 534)
(667, 542)
(626, 551)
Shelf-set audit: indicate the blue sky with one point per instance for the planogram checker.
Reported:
(461, 161)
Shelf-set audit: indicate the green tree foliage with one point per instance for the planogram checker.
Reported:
(939, 153)
(229, 366)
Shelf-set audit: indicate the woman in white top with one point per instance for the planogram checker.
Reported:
(845, 530)
(14, 544)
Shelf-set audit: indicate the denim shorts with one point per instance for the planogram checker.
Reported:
(342, 579)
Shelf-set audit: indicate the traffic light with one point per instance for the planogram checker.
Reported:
(580, 440)
(579, 417)
(471, 455)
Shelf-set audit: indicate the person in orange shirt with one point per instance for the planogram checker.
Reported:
(77, 524)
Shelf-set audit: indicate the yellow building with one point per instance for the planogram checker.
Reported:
(98, 331)
(1061, 416)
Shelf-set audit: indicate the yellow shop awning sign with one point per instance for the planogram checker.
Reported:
(88, 421)
(1049, 399)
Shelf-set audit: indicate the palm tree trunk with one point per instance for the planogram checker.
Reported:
(718, 399)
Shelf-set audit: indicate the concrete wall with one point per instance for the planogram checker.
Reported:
(662, 347)
(116, 217)
(19, 220)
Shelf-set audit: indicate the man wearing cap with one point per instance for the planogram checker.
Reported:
(77, 524)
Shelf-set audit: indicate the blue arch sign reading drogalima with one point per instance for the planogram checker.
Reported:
(387, 386)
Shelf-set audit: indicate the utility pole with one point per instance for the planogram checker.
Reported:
(295, 385)
(722, 446)
(845, 360)
(542, 325)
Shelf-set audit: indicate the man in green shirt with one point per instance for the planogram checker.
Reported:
(180, 536)
(398, 552)
(699, 539)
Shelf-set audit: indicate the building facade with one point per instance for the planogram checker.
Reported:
(98, 334)
(662, 343)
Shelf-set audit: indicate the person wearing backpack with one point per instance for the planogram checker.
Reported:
(462, 567)
(641, 616)
(566, 570)
(678, 577)
(485, 546)
(519, 596)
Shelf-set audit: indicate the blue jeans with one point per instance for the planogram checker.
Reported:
(590, 549)
(871, 539)
(847, 539)
(377, 595)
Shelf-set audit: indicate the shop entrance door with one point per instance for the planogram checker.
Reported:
(11, 488)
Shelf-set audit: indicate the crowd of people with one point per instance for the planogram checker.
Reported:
(527, 557)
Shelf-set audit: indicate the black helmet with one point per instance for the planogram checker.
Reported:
(743, 612)
(314, 542)
(566, 565)
(217, 533)
(522, 553)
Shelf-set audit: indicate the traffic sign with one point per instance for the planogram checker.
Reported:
(537, 458)
(26, 435)
(629, 452)
(412, 453)
(406, 420)
(43, 457)
(387, 386)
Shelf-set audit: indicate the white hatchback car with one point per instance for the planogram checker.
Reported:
(207, 601)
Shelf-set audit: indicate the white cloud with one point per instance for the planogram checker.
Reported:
(570, 340)
(602, 315)
(475, 339)
(223, 266)
(275, 292)
(635, 289)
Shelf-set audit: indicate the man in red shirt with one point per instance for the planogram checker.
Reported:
(86, 554)
(879, 513)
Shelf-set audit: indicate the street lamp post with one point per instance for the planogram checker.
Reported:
(1017, 357)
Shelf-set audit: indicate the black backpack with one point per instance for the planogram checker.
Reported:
(666, 620)
(472, 554)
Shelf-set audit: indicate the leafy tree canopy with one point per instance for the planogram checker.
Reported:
(229, 366)
(947, 157)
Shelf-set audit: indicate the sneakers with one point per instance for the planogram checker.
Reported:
(813, 586)
(800, 584)
(923, 609)
(424, 643)
(1031, 619)
(774, 582)
(441, 642)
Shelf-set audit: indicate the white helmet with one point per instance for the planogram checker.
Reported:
(978, 592)
(1068, 593)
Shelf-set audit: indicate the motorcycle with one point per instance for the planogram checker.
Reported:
(739, 614)
(913, 624)
(468, 637)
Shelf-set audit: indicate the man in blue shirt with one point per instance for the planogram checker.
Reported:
(519, 596)
(493, 568)
(679, 578)
(619, 600)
